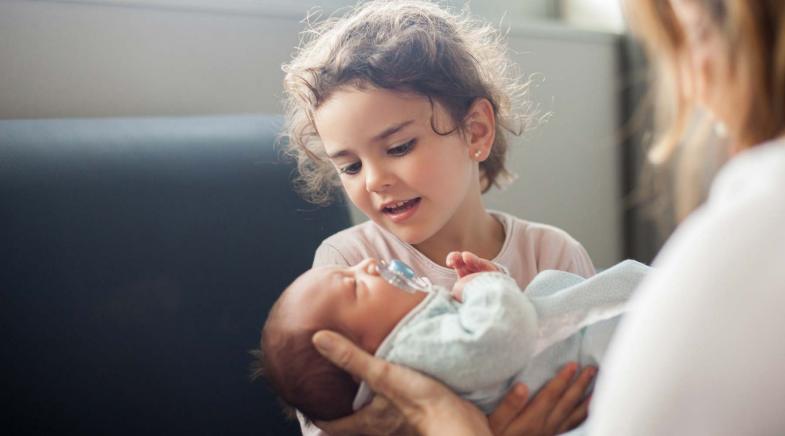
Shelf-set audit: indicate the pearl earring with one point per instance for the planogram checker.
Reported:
(720, 130)
(477, 154)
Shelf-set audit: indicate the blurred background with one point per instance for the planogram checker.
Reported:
(107, 58)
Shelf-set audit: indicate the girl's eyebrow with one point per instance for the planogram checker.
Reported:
(339, 153)
(391, 130)
(381, 136)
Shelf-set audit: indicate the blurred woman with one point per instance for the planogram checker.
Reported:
(700, 351)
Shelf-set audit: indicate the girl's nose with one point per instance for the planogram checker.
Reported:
(377, 178)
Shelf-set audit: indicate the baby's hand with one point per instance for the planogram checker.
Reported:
(466, 262)
(457, 289)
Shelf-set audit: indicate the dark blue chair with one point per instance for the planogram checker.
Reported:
(138, 260)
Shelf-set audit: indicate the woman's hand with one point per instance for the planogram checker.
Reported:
(379, 417)
(558, 407)
(427, 406)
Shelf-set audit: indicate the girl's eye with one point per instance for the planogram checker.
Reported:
(350, 169)
(402, 149)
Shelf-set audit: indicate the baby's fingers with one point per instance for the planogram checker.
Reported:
(454, 259)
(475, 263)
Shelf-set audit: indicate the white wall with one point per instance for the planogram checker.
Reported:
(569, 169)
(73, 60)
(65, 59)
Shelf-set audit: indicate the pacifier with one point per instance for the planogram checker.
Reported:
(402, 276)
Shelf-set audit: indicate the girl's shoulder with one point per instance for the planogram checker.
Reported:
(518, 231)
(531, 247)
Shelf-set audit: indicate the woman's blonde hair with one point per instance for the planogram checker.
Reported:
(408, 46)
(753, 36)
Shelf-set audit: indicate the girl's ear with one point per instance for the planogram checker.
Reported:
(480, 129)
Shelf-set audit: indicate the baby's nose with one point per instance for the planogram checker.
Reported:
(368, 266)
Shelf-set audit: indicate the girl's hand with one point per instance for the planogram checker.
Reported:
(558, 407)
(466, 262)
(423, 405)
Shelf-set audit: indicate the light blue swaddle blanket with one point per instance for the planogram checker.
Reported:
(500, 335)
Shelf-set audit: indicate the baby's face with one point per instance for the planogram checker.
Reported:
(355, 298)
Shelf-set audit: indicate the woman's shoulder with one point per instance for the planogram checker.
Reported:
(759, 171)
(742, 219)
(711, 310)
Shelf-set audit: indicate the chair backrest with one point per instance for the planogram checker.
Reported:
(139, 260)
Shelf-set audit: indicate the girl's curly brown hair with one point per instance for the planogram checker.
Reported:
(409, 46)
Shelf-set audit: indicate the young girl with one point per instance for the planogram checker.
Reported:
(406, 107)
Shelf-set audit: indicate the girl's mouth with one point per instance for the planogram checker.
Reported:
(401, 210)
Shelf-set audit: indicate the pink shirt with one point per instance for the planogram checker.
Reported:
(528, 249)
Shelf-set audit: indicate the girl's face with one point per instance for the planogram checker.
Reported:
(394, 167)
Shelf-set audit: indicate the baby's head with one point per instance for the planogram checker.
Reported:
(356, 302)
(406, 46)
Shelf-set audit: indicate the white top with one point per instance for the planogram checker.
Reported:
(701, 351)
(528, 249)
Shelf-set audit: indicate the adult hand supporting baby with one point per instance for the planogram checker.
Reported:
(429, 407)
(559, 406)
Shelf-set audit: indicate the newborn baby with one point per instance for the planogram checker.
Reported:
(479, 338)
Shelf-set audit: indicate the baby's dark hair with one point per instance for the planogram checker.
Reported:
(401, 45)
(299, 375)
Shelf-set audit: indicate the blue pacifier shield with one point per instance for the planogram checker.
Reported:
(401, 268)
(402, 276)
